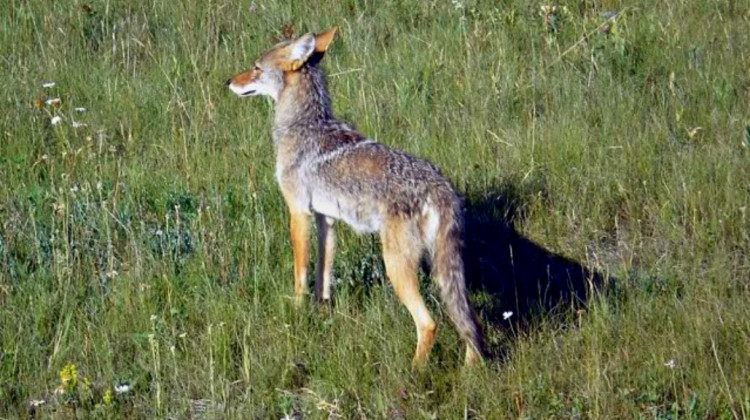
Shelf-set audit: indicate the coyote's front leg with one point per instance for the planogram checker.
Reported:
(326, 249)
(299, 226)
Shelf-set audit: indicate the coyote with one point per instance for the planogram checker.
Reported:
(329, 171)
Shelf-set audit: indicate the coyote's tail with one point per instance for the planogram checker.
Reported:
(448, 269)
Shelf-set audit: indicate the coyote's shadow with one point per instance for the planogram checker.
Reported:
(510, 273)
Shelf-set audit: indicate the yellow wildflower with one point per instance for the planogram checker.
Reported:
(69, 376)
(108, 397)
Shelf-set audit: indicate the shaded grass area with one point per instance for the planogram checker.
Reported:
(607, 188)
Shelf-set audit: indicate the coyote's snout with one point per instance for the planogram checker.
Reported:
(329, 171)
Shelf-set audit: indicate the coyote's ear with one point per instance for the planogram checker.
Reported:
(323, 39)
(299, 51)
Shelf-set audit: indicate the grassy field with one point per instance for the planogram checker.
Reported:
(603, 147)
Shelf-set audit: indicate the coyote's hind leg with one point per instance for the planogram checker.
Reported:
(402, 251)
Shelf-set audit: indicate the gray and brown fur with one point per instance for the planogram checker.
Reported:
(329, 171)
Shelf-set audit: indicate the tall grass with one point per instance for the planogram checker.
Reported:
(149, 247)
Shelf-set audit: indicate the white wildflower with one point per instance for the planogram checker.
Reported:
(670, 364)
(48, 85)
(153, 318)
(183, 335)
(457, 5)
(507, 315)
(37, 403)
(77, 124)
(52, 101)
(123, 388)
(79, 109)
(55, 120)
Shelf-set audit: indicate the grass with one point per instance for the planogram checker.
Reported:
(150, 247)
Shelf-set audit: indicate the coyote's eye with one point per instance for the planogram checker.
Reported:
(256, 68)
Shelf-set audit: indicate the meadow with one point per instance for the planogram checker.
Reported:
(603, 148)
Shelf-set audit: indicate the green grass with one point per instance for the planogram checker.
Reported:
(150, 247)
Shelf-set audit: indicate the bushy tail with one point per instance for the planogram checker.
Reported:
(448, 269)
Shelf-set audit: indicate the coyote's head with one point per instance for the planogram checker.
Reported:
(267, 75)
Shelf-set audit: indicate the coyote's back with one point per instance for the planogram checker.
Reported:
(329, 171)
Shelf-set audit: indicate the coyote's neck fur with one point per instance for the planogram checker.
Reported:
(304, 102)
